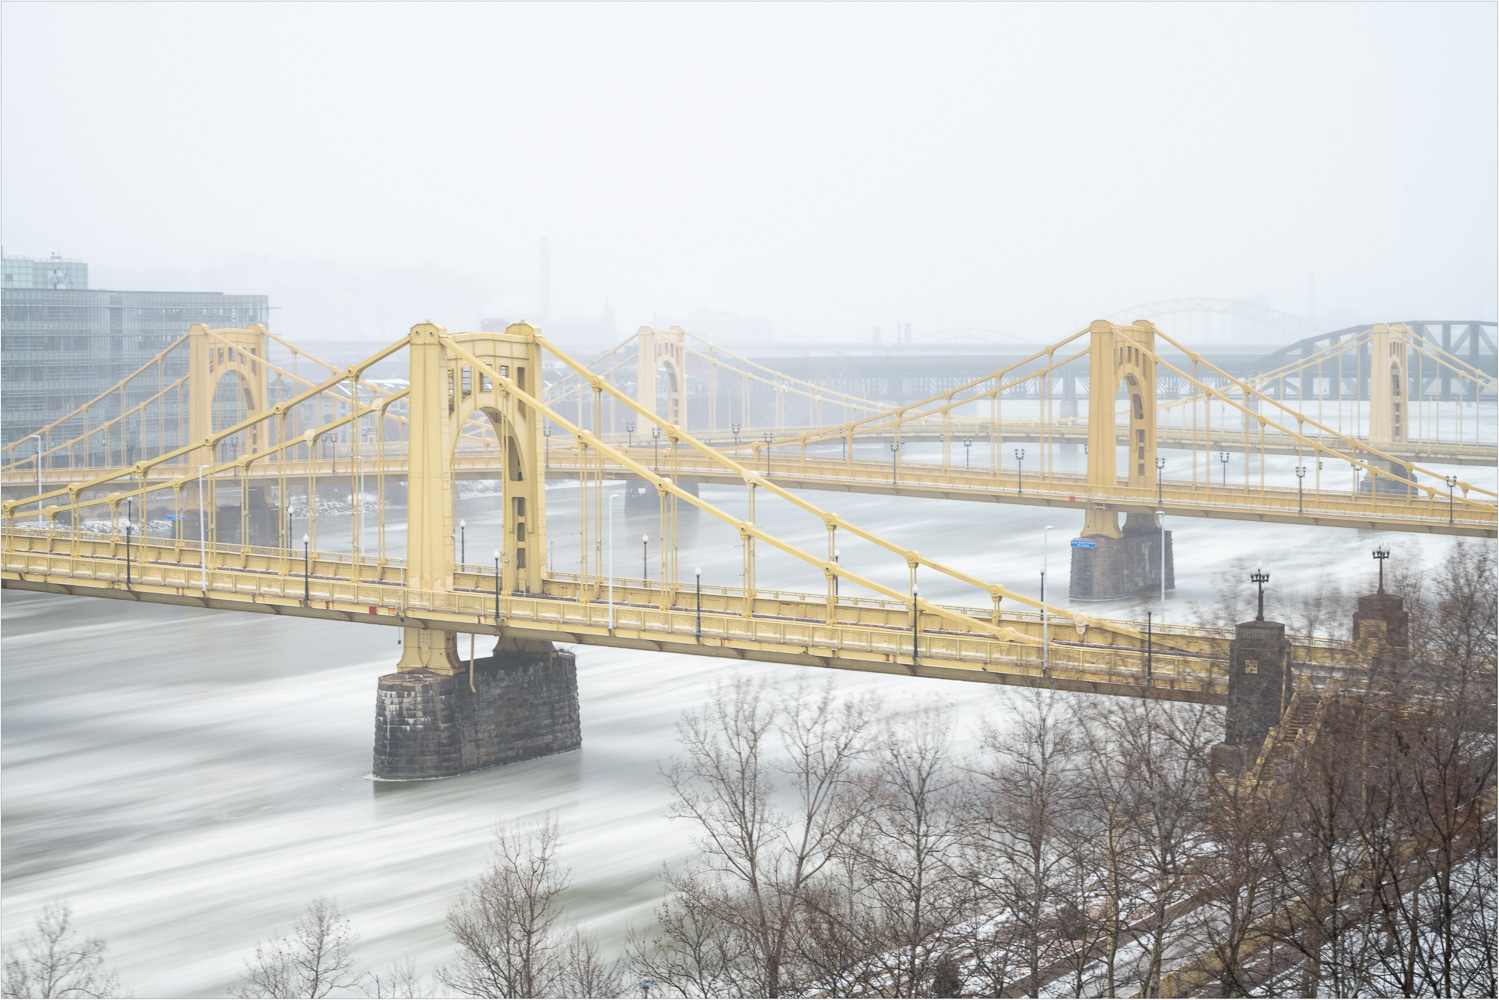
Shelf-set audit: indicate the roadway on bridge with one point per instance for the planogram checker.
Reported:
(1186, 663)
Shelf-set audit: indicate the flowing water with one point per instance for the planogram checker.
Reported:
(189, 780)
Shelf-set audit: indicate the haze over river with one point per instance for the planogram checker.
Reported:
(189, 780)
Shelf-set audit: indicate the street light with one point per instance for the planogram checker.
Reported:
(1223, 457)
(546, 432)
(497, 588)
(1149, 652)
(735, 429)
(1300, 483)
(1045, 611)
(656, 448)
(1019, 458)
(629, 433)
(203, 534)
(1451, 482)
(1260, 578)
(1160, 470)
(1380, 555)
(836, 559)
(306, 571)
(128, 526)
(645, 543)
(612, 499)
(894, 464)
(767, 437)
(967, 454)
(699, 604)
(38, 437)
(915, 626)
(462, 542)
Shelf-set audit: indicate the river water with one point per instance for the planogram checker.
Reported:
(189, 780)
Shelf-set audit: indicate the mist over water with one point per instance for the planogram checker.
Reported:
(189, 780)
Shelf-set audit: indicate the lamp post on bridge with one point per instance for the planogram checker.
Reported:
(462, 542)
(1149, 652)
(306, 571)
(1300, 483)
(735, 429)
(129, 516)
(645, 545)
(1451, 482)
(1160, 470)
(699, 604)
(1223, 458)
(1045, 611)
(1259, 577)
(203, 534)
(1019, 473)
(39, 518)
(915, 627)
(967, 453)
(612, 499)
(656, 448)
(1380, 555)
(894, 463)
(767, 437)
(629, 433)
(839, 561)
(497, 588)
(546, 432)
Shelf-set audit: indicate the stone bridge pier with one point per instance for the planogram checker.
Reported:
(440, 713)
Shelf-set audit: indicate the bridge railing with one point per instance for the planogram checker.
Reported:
(1113, 667)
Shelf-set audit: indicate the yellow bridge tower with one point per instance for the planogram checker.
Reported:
(1110, 561)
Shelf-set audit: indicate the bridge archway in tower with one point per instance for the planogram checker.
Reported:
(660, 350)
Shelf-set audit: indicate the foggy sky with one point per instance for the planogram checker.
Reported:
(1023, 168)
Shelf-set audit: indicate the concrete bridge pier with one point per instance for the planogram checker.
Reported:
(1106, 568)
(263, 520)
(519, 702)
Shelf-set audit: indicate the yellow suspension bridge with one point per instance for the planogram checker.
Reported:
(416, 438)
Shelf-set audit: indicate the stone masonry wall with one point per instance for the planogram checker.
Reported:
(522, 705)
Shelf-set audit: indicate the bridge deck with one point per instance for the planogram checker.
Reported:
(1238, 502)
(1188, 664)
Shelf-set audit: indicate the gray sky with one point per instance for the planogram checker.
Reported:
(1020, 167)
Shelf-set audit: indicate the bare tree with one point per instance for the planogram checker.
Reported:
(761, 849)
(906, 852)
(693, 949)
(583, 971)
(315, 959)
(55, 961)
(1030, 792)
(399, 980)
(504, 925)
(1147, 765)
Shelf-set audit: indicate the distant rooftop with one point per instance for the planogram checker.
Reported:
(49, 272)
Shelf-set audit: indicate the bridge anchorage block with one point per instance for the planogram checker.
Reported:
(521, 703)
(1106, 569)
(1259, 689)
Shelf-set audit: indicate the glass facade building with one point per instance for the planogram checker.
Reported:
(63, 343)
